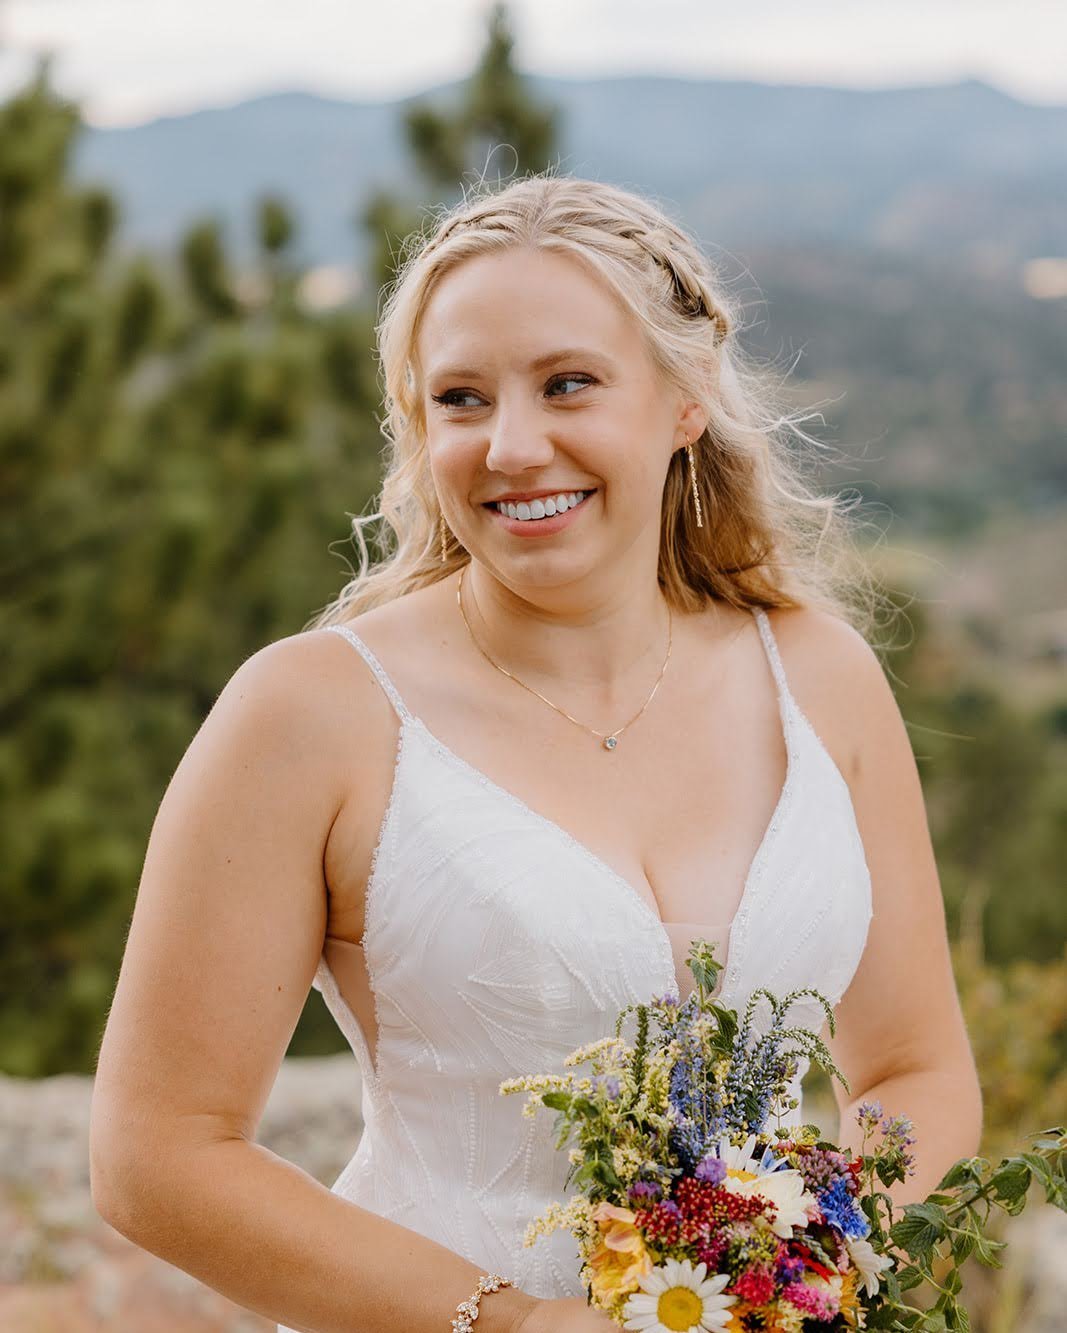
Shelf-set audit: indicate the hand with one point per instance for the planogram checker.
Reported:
(571, 1314)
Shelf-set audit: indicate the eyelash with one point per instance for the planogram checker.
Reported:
(443, 398)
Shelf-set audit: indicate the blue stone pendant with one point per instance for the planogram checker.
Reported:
(610, 742)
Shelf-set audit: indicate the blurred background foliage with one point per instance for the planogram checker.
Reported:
(180, 444)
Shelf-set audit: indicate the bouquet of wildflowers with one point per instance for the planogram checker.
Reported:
(692, 1212)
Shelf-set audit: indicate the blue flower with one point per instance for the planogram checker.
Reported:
(841, 1211)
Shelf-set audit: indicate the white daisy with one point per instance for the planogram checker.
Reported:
(766, 1177)
(740, 1158)
(869, 1264)
(676, 1297)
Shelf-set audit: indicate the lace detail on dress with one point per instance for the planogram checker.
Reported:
(595, 862)
(773, 655)
(497, 942)
(779, 817)
(324, 981)
(383, 680)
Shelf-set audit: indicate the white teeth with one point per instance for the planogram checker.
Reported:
(546, 508)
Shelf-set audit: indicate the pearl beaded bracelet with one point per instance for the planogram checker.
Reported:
(468, 1310)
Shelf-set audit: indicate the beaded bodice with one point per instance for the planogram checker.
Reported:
(483, 966)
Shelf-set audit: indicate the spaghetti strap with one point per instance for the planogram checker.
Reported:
(494, 938)
(387, 685)
(773, 656)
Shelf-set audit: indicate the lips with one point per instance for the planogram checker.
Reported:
(515, 497)
(543, 527)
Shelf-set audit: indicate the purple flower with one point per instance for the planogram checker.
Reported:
(897, 1136)
(712, 1169)
(790, 1268)
(868, 1114)
(896, 1131)
(645, 1189)
(609, 1083)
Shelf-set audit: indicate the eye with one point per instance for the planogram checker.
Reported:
(448, 399)
(581, 380)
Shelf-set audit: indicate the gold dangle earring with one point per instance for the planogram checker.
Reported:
(693, 479)
(444, 538)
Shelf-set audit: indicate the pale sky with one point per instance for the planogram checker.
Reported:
(127, 61)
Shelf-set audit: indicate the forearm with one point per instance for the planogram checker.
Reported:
(267, 1235)
(945, 1108)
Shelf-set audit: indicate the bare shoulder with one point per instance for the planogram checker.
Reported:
(839, 683)
(229, 917)
(320, 677)
(310, 684)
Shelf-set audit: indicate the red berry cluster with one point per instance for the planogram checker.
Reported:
(697, 1211)
(659, 1224)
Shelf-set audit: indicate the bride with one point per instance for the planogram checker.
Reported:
(603, 694)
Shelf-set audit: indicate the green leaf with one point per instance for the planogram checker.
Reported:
(962, 1245)
(985, 1251)
(909, 1276)
(919, 1230)
(890, 1168)
(558, 1101)
(966, 1169)
(1010, 1182)
(727, 1026)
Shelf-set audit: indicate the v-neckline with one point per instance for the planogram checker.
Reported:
(731, 963)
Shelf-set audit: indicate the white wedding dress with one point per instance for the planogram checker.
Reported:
(496, 943)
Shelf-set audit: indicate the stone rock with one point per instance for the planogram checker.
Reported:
(63, 1268)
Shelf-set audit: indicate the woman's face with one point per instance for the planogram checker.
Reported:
(536, 383)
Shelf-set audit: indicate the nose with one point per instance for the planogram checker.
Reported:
(517, 441)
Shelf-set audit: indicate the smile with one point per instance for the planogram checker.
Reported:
(547, 507)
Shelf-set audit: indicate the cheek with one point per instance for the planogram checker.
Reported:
(451, 454)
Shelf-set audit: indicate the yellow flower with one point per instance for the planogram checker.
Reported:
(678, 1298)
(851, 1308)
(620, 1258)
(783, 1320)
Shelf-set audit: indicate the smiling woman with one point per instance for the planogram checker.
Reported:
(602, 693)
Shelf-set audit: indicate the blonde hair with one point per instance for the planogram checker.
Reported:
(768, 538)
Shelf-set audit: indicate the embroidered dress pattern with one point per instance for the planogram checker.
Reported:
(496, 943)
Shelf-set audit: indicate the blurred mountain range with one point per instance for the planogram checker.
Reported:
(960, 173)
(887, 246)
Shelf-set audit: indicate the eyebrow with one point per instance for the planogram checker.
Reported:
(541, 362)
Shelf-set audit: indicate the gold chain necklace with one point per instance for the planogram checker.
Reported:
(609, 739)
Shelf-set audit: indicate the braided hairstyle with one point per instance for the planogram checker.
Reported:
(768, 538)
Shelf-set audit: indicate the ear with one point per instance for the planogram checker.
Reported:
(692, 422)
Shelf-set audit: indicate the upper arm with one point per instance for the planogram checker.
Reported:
(229, 919)
(901, 1011)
